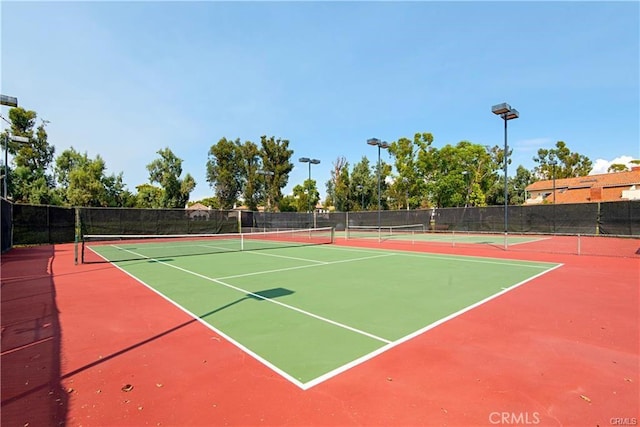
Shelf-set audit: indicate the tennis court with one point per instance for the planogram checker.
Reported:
(418, 233)
(307, 309)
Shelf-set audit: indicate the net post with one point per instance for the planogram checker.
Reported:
(346, 223)
(333, 230)
(579, 245)
(241, 242)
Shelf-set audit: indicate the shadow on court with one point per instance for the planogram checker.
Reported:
(259, 296)
(32, 393)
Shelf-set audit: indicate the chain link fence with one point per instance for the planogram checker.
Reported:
(28, 224)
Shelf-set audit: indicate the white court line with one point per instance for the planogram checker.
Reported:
(256, 356)
(479, 260)
(412, 335)
(223, 249)
(286, 257)
(529, 241)
(389, 344)
(246, 292)
(303, 266)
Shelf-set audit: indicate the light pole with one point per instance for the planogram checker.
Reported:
(9, 101)
(266, 186)
(7, 138)
(267, 207)
(311, 162)
(507, 113)
(553, 163)
(360, 188)
(380, 145)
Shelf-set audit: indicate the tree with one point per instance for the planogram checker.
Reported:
(166, 171)
(306, 195)
(224, 171)
(83, 181)
(149, 196)
(116, 192)
(276, 158)
(569, 164)
(461, 175)
(30, 181)
(409, 186)
(362, 185)
(288, 204)
(338, 189)
(85, 184)
(517, 185)
(617, 167)
(252, 183)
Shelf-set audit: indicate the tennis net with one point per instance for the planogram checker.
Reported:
(385, 231)
(115, 248)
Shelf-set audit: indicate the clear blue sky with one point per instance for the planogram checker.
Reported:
(125, 79)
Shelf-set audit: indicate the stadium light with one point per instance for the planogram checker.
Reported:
(380, 144)
(9, 101)
(507, 113)
(311, 162)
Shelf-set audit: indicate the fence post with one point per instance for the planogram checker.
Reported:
(78, 228)
(49, 225)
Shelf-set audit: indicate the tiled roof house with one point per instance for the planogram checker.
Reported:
(198, 211)
(606, 187)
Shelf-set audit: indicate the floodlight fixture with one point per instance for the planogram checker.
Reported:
(9, 101)
(500, 109)
(20, 139)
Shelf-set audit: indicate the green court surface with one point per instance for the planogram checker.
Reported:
(439, 237)
(311, 312)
